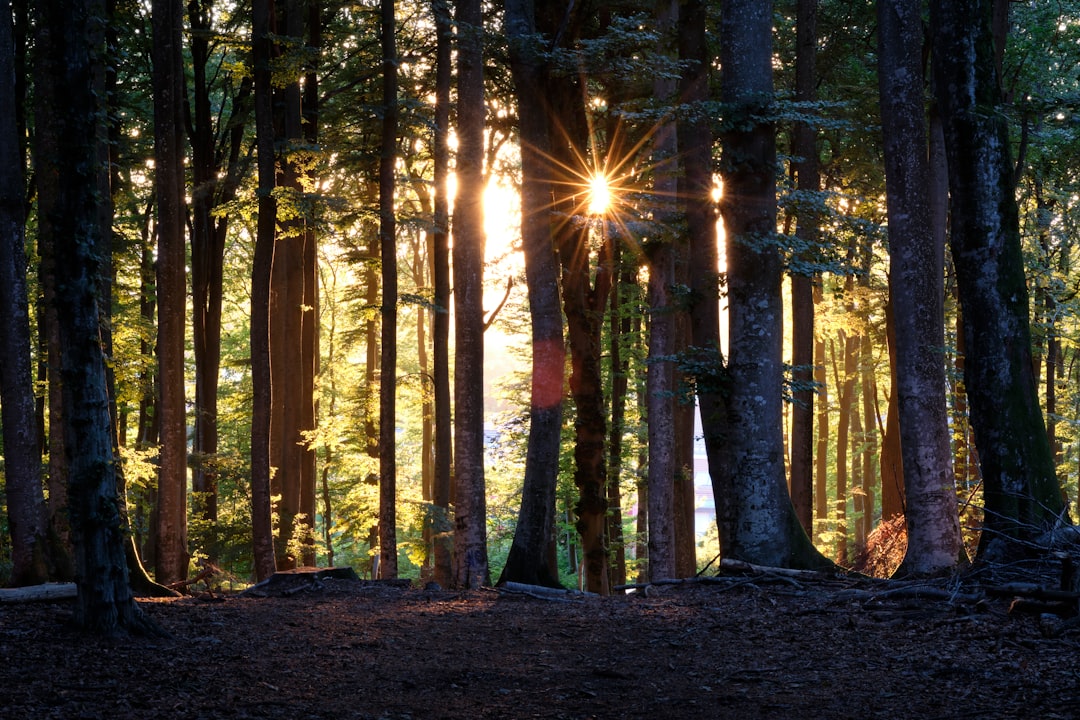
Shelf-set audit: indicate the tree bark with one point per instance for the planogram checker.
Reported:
(1022, 498)
(171, 558)
(470, 502)
(262, 263)
(660, 378)
(916, 282)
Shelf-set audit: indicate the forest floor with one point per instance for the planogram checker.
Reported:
(760, 645)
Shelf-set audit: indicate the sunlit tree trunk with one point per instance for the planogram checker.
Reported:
(821, 452)
(1022, 498)
(470, 501)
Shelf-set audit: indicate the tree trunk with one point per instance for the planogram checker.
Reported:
(660, 376)
(470, 503)
(388, 567)
(696, 187)
(916, 287)
(311, 315)
(821, 459)
(71, 61)
(762, 527)
(1022, 498)
(171, 559)
(529, 559)
(807, 179)
(619, 330)
(845, 383)
(22, 454)
(262, 263)
(440, 324)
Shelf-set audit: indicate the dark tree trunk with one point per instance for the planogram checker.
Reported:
(71, 61)
(209, 228)
(529, 560)
(807, 179)
(388, 567)
(440, 324)
(262, 263)
(22, 454)
(470, 502)
(1022, 497)
(661, 254)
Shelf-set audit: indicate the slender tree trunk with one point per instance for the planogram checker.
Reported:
(1022, 498)
(470, 502)
(440, 324)
(171, 560)
(821, 458)
(619, 329)
(388, 567)
(261, 528)
(845, 383)
(22, 455)
(695, 190)
(892, 463)
(807, 178)
(311, 315)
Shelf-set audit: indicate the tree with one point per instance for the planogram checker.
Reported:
(916, 282)
(529, 557)
(262, 263)
(388, 244)
(806, 168)
(1022, 499)
(171, 560)
(216, 168)
(71, 61)
(661, 253)
(22, 457)
(470, 502)
(440, 272)
(754, 513)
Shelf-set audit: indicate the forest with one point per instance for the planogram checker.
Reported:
(471, 293)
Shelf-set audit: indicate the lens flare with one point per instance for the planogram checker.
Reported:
(599, 195)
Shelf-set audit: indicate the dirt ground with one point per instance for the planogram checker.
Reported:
(757, 646)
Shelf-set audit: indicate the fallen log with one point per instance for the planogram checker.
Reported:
(35, 593)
